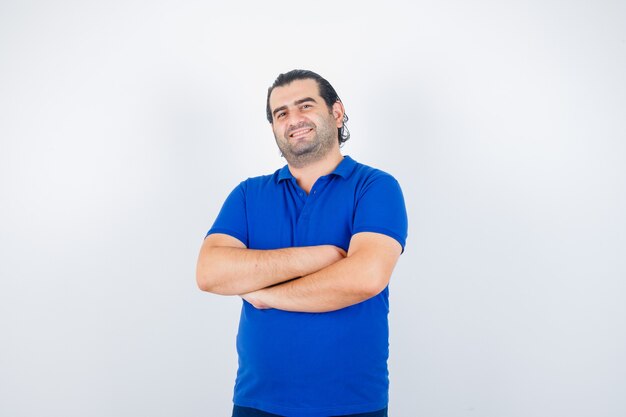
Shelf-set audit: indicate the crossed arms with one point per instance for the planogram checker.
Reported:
(310, 279)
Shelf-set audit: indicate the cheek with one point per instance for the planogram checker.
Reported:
(278, 131)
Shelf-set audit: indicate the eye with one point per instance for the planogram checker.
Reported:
(280, 115)
(306, 106)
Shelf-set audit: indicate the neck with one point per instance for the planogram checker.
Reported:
(308, 174)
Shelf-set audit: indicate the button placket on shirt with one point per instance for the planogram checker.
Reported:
(308, 200)
(307, 204)
(303, 223)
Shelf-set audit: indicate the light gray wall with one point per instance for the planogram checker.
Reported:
(123, 126)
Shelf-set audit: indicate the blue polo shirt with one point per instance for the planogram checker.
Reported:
(314, 364)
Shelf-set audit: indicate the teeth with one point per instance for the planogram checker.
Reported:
(300, 132)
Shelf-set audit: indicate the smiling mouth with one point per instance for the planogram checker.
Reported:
(300, 132)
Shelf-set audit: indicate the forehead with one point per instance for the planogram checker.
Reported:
(297, 89)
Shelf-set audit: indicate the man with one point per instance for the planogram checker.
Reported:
(310, 249)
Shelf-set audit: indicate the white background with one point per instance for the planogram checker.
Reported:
(124, 125)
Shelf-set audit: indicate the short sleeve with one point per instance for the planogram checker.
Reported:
(232, 219)
(380, 208)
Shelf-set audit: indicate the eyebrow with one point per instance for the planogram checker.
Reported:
(297, 103)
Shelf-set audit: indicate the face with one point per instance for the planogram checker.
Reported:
(304, 128)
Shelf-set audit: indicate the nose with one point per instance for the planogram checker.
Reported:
(295, 119)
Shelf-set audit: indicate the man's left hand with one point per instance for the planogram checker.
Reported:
(254, 298)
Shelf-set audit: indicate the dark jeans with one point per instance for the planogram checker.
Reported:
(253, 412)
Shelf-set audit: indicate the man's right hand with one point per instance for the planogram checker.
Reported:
(336, 253)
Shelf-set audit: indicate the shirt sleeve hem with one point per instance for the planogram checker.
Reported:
(236, 235)
(383, 231)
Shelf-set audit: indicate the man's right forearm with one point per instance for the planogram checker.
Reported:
(232, 270)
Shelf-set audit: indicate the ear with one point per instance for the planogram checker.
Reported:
(338, 112)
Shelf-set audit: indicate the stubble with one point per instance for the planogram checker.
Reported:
(302, 153)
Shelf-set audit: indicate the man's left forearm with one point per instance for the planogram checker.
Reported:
(342, 284)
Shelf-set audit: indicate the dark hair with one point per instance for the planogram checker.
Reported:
(326, 91)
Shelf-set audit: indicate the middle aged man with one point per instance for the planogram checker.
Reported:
(310, 249)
